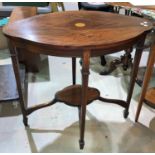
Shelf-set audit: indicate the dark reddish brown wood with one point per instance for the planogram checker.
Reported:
(15, 64)
(72, 95)
(56, 31)
(146, 80)
(134, 72)
(150, 97)
(79, 34)
(84, 95)
(119, 102)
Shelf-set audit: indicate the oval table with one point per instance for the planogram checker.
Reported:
(75, 34)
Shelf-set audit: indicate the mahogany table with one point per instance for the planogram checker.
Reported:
(75, 34)
(147, 95)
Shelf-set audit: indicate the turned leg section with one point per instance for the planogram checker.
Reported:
(16, 69)
(85, 74)
(147, 78)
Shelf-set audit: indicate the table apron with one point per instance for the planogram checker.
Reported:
(68, 52)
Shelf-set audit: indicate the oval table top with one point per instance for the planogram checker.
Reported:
(77, 29)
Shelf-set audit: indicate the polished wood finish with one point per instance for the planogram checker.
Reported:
(84, 97)
(150, 97)
(134, 72)
(91, 36)
(30, 59)
(81, 34)
(72, 95)
(147, 77)
(114, 101)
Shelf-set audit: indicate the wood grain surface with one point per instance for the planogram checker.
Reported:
(150, 97)
(61, 30)
(72, 95)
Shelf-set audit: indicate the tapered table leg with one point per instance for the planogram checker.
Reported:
(74, 70)
(135, 68)
(85, 74)
(16, 69)
(147, 77)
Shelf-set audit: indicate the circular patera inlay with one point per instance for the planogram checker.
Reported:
(80, 24)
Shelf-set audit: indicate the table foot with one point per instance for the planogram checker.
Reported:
(25, 121)
(125, 113)
(81, 143)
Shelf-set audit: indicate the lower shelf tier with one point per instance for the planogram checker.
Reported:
(150, 97)
(72, 95)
